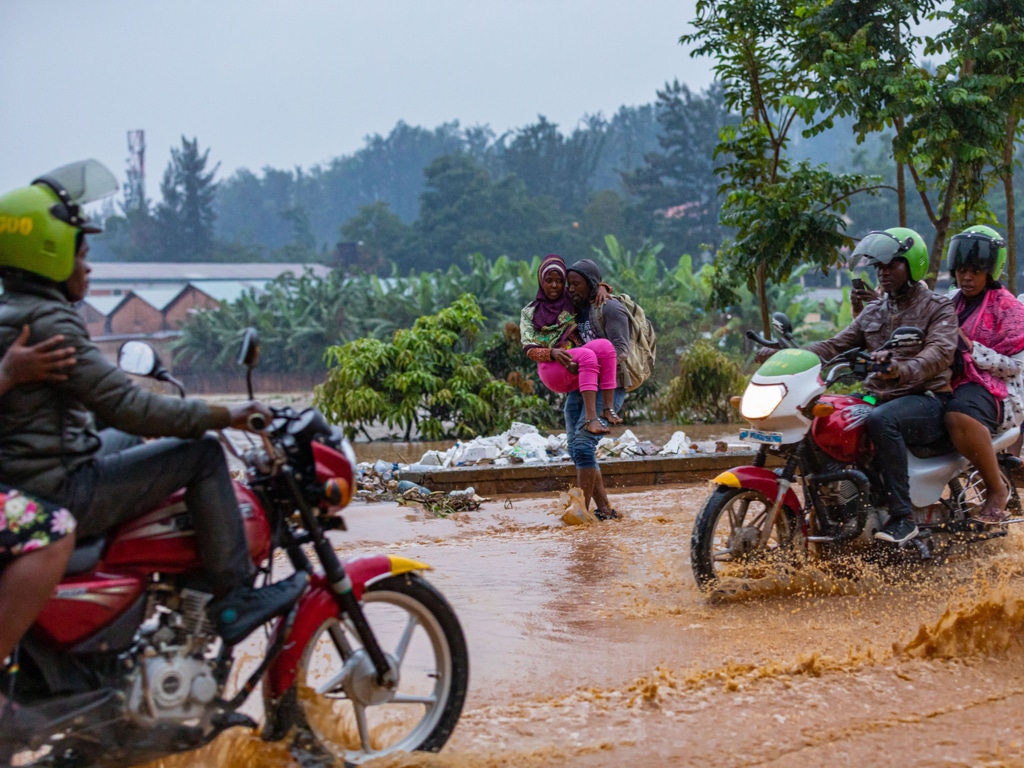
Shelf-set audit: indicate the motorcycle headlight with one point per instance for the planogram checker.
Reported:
(761, 399)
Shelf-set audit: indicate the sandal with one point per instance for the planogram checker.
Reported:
(991, 518)
(602, 427)
(609, 415)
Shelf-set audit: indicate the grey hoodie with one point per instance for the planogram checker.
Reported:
(608, 322)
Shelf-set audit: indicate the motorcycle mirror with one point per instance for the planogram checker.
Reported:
(138, 358)
(781, 324)
(905, 336)
(249, 354)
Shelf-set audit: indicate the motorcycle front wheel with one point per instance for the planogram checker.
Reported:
(726, 537)
(341, 708)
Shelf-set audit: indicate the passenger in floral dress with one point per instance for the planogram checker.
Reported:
(36, 536)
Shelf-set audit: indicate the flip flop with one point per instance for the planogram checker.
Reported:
(603, 427)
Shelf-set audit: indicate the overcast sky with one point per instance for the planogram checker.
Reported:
(296, 83)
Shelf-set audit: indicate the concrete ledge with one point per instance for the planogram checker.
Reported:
(489, 480)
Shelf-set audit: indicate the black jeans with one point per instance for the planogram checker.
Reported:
(129, 478)
(911, 419)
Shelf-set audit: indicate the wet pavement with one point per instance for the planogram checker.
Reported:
(592, 646)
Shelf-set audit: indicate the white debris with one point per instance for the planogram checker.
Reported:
(678, 443)
(518, 429)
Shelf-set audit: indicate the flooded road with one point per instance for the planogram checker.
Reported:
(592, 646)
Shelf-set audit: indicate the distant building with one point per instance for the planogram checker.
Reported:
(116, 278)
(153, 300)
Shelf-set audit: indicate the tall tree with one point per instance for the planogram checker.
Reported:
(677, 189)
(784, 214)
(185, 216)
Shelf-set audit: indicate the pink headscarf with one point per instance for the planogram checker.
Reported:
(997, 324)
(545, 311)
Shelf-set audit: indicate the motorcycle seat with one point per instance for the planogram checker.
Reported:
(938, 448)
(87, 553)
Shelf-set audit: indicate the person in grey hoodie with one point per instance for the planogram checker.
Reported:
(610, 321)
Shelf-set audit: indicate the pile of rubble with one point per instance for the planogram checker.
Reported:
(520, 444)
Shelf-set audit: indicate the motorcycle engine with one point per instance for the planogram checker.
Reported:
(173, 681)
(840, 498)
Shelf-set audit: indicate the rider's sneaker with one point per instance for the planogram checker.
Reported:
(607, 514)
(243, 609)
(899, 530)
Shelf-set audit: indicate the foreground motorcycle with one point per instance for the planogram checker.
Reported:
(753, 521)
(123, 665)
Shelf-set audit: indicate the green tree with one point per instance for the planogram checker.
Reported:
(424, 379)
(784, 214)
(380, 236)
(185, 216)
(676, 188)
(949, 125)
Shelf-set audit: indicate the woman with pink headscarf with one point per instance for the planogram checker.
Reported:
(548, 329)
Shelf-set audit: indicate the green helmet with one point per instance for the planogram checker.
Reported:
(979, 248)
(40, 223)
(879, 247)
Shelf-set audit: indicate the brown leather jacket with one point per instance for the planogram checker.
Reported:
(922, 369)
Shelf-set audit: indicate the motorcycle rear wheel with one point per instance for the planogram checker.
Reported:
(341, 710)
(724, 541)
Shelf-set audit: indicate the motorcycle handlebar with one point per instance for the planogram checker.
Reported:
(758, 339)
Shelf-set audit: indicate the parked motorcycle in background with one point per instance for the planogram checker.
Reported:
(752, 521)
(123, 666)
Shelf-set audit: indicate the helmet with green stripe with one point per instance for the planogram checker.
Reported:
(978, 248)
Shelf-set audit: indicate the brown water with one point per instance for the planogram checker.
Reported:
(410, 452)
(591, 646)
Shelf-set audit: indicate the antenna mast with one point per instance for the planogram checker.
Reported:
(135, 183)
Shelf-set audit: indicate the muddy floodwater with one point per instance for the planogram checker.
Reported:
(591, 646)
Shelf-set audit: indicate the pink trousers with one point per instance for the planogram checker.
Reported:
(597, 369)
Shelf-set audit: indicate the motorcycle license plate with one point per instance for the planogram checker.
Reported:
(756, 436)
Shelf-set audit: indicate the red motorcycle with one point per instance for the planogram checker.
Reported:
(123, 665)
(753, 521)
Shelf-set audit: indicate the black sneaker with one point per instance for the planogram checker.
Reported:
(899, 530)
(243, 609)
(607, 514)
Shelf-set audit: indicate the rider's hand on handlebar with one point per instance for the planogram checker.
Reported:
(883, 366)
(240, 414)
(763, 354)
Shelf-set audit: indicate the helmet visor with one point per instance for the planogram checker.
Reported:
(85, 181)
(879, 248)
(974, 251)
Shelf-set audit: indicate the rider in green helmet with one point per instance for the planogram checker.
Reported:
(987, 390)
(47, 436)
(911, 381)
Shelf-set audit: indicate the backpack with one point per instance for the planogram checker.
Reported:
(643, 342)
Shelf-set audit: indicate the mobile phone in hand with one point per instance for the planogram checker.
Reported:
(860, 285)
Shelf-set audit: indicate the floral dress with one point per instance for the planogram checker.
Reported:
(28, 523)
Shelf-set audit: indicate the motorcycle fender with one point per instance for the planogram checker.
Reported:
(318, 605)
(758, 479)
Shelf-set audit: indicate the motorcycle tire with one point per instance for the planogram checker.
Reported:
(742, 556)
(355, 719)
